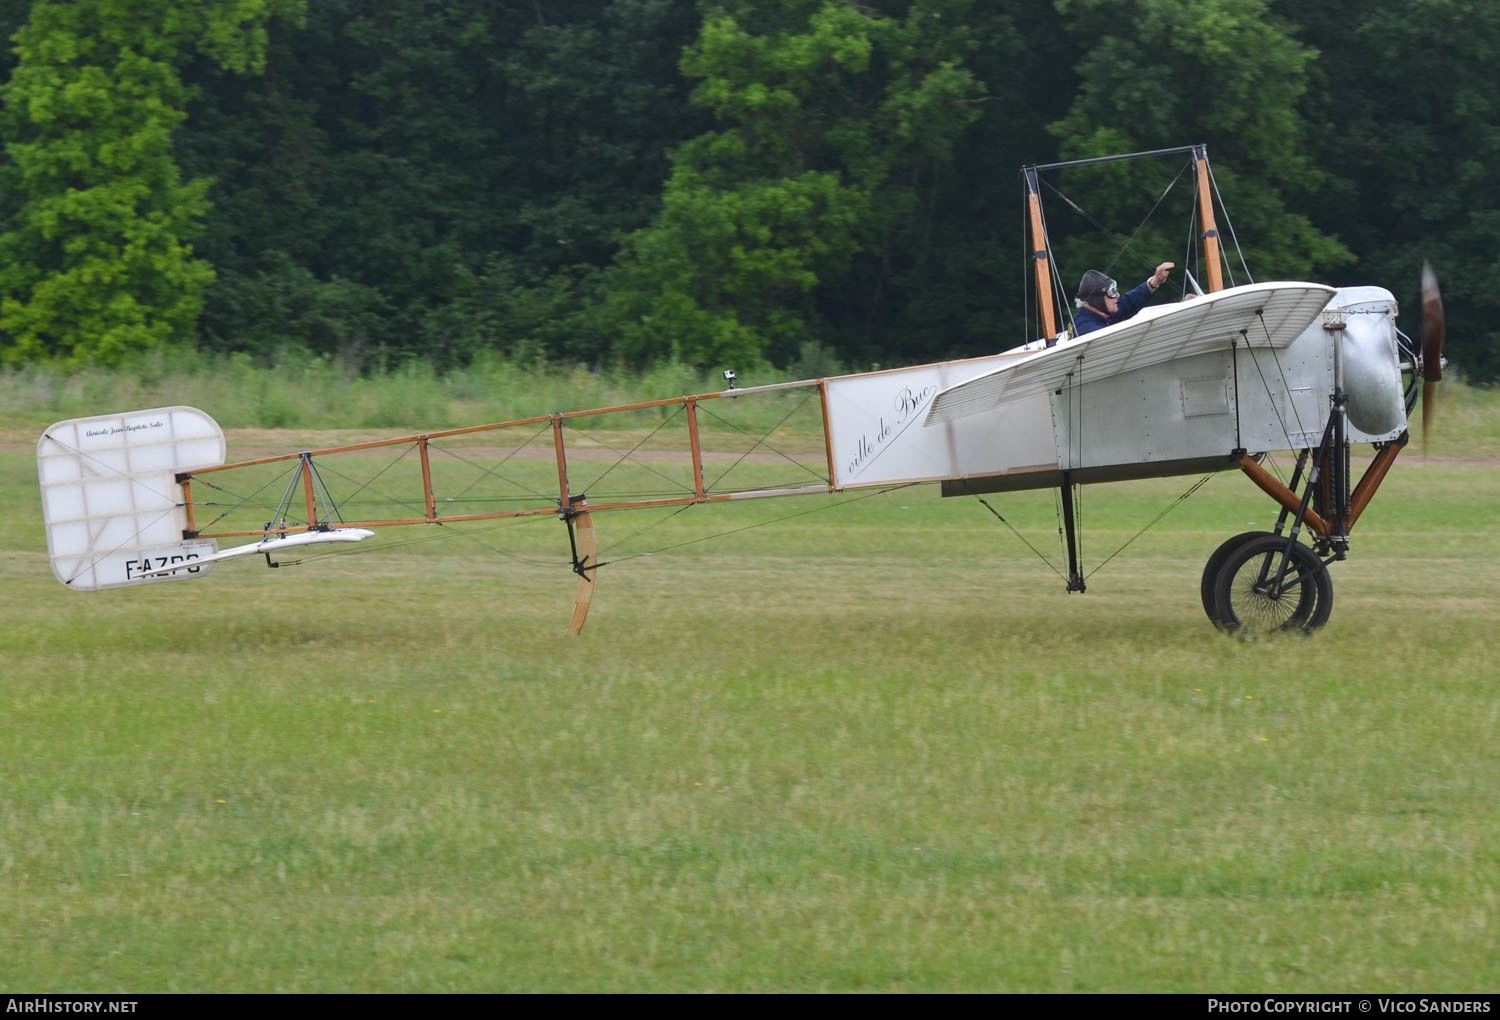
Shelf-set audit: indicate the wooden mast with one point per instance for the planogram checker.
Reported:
(1043, 264)
(1210, 235)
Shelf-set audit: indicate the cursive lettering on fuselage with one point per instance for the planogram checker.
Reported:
(904, 410)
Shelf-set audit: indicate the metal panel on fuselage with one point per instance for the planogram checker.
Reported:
(1175, 414)
(1184, 409)
(1286, 395)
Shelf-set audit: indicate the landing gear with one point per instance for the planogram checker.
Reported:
(1263, 582)
(1269, 583)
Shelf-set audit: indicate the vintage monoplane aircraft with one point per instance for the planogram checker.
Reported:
(1206, 384)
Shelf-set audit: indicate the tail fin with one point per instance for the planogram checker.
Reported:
(111, 500)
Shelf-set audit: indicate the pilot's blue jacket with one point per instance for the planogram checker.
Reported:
(1086, 320)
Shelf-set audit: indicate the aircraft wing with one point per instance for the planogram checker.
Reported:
(1258, 315)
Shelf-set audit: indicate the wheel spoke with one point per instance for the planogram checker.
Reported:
(1211, 572)
(1250, 569)
(1261, 611)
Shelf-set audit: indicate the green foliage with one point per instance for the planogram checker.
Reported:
(832, 118)
(728, 265)
(589, 180)
(1234, 73)
(1408, 113)
(470, 168)
(496, 310)
(97, 261)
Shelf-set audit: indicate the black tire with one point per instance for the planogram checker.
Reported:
(1303, 603)
(1211, 572)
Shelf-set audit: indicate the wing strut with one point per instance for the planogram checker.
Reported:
(1040, 259)
(1206, 215)
(1070, 523)
(314, 492)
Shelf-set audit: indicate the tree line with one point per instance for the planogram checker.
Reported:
(809, 183)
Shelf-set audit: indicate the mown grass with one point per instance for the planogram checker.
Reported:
(873, 747)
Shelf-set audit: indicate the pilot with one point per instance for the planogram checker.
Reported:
(1101, 304)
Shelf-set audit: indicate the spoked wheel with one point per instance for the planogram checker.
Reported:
(1211, 572)
(1251, 600)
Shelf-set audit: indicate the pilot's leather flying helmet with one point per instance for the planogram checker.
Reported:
(1095, 285)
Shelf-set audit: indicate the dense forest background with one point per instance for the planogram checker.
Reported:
(812, 183)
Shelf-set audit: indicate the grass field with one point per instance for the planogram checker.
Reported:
(874, 747)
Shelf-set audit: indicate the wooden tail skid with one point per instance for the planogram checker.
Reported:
(585, 561)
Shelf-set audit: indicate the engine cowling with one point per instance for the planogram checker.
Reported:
(1368, 354)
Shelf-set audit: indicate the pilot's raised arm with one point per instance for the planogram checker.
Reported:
(1101, 304)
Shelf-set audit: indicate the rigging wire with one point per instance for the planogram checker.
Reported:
(128, 539)
(1190, 252)
(1281, 371)
(623, 457)
(470, 534)
(762, 440)
(1286, 432)
(448, 532)
(108, 467)
(1057, 513)
(1022, 537)
(495, 471)
(1214, 183)
(1085, 214)
(624, 542)
(1078, 530)
(762, 524)
(1075, 415)
(244, 501)
(1127, 247)
(1056, 273)
(1270, 461)
(1153, 522)
(1123, 244)
(384, 498)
